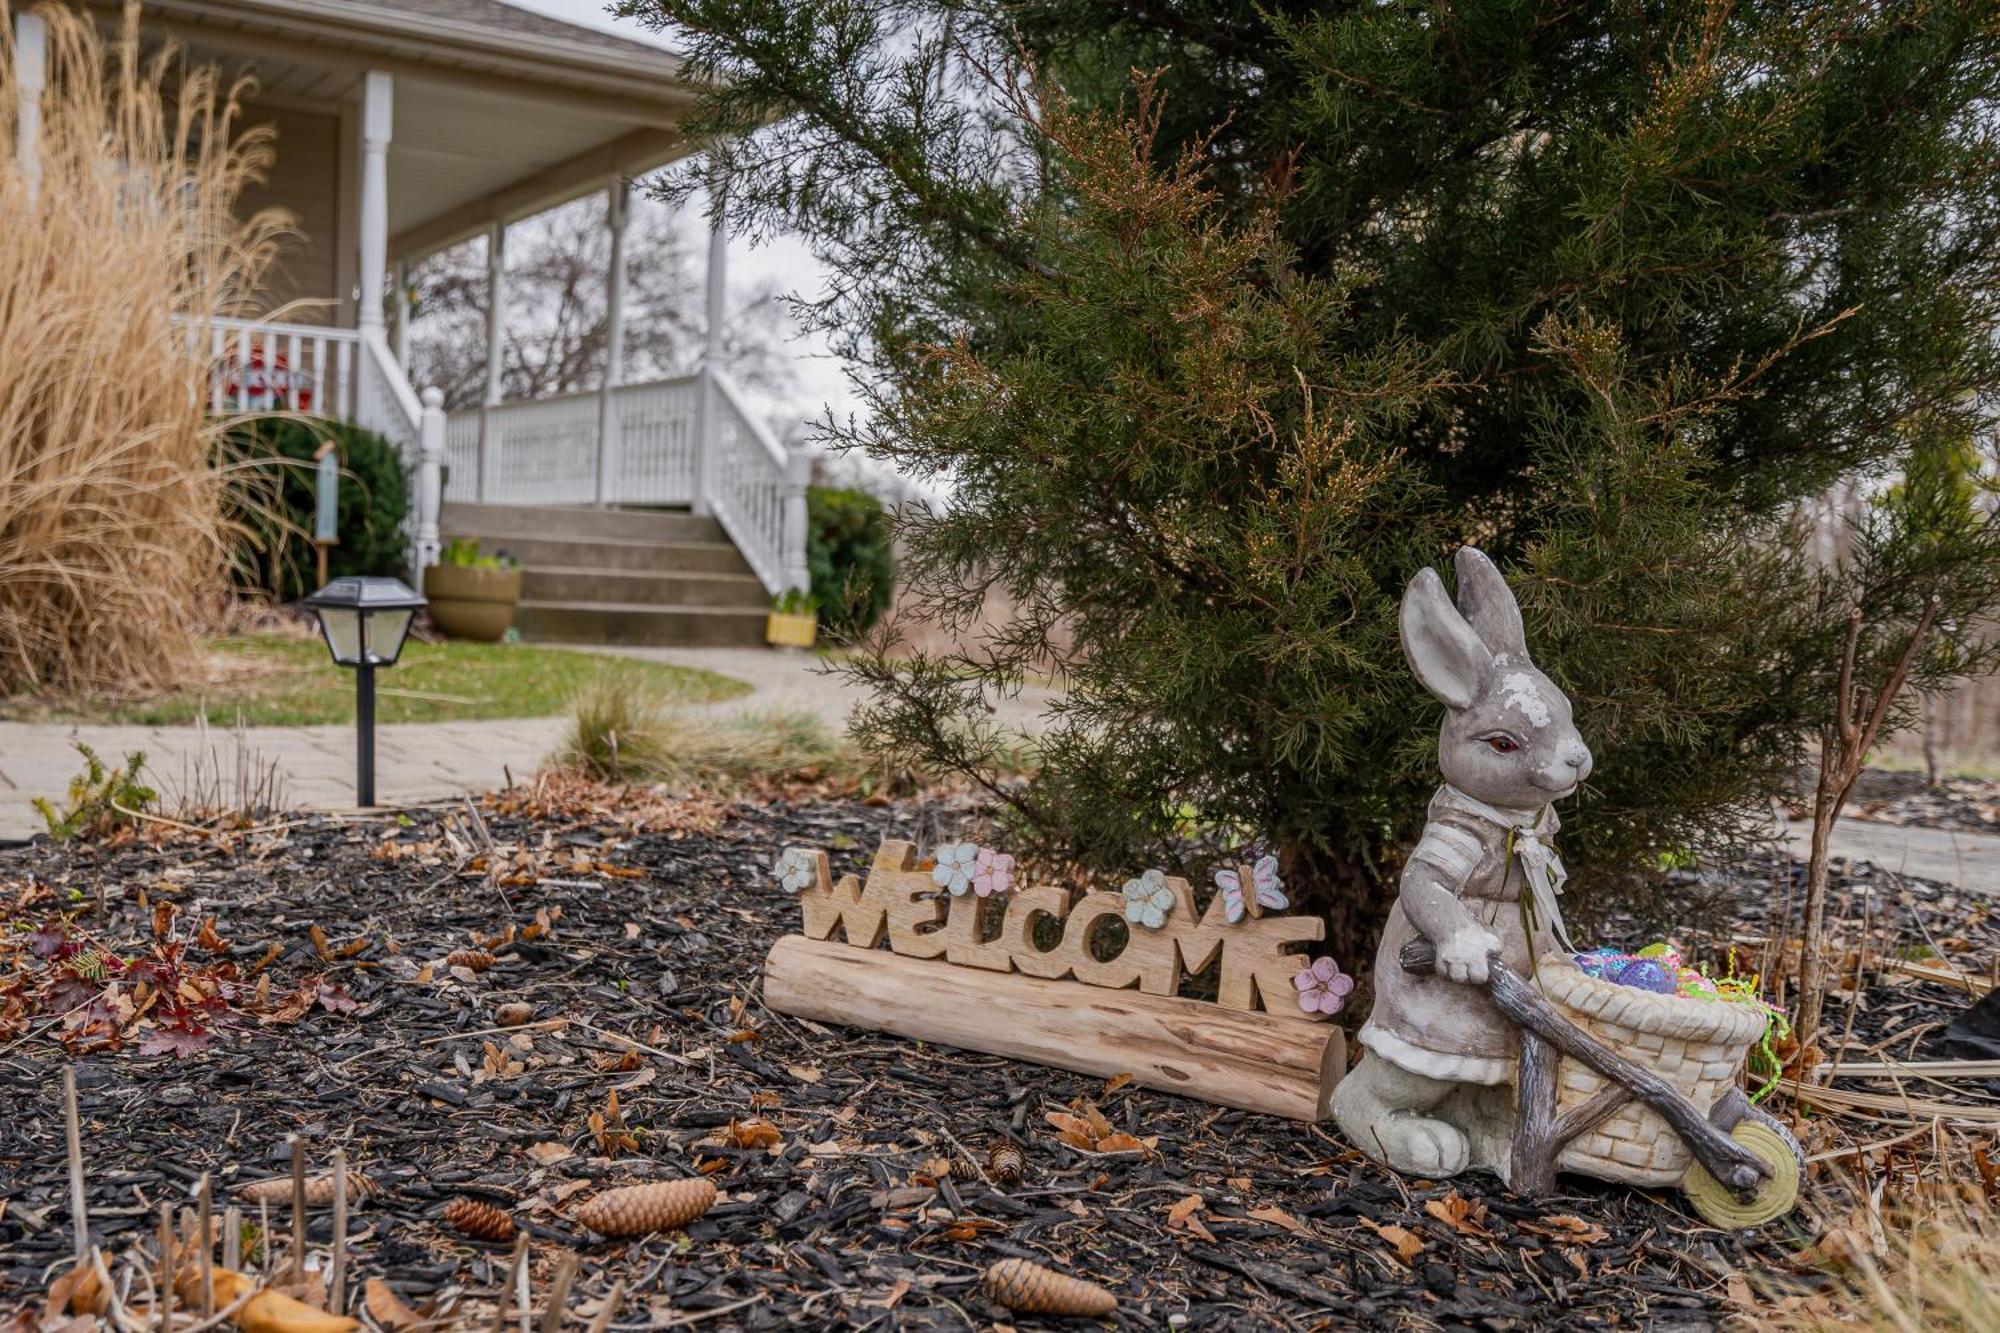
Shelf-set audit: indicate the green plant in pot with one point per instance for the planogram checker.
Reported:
(473, 596)
(794, 619)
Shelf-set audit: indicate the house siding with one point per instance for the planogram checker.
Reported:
(305, 181)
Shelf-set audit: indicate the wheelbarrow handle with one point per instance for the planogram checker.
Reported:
(1420, 957)
(1525, 1007)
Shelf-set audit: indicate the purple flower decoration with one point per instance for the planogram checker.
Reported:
(992, 872)
(1323, 988)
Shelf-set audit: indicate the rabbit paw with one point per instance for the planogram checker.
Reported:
(1417, 1145)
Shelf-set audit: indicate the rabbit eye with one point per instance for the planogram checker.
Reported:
(1503, 744)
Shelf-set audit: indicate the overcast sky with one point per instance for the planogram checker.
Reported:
(782, 262)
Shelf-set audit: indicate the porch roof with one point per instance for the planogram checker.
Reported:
(499, 112)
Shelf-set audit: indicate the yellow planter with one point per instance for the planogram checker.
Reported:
(791, 631)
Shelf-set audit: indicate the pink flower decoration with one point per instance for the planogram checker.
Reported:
(992, 872)
(1323, 988)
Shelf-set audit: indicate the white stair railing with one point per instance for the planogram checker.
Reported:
(667, 451)
(757, 491)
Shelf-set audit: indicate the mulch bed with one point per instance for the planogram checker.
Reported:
(638, 949)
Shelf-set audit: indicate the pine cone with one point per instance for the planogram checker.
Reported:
(1032, 1289)
(635, 1210)
(479, 1219)
(472, 960)
(1006, 1164)
(319, 1190)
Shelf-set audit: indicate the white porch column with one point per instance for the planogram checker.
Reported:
(496, 327)
(711, 355)
(617, 211)
(399, 315)
(31, 66)
(377, 112)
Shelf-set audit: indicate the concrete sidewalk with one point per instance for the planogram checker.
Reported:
(414, 762)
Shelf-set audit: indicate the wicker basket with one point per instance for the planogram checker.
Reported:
(1698, 1046)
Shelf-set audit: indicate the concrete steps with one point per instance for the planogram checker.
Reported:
(620, 576)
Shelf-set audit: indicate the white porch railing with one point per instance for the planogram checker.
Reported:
(270, 366)
(643, 446)
(267, 366)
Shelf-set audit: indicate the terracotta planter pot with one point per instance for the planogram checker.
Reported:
(468, 603)
(791, 631)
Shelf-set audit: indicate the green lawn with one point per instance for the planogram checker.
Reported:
(276, 681)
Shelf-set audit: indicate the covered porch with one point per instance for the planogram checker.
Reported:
(401, 130)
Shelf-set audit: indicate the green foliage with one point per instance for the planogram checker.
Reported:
(796, 602)
(850, 549)
(1214, 363)
(374, 503)
(463, 553)
(100, 798)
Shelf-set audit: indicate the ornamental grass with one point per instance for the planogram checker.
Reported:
(115, 494)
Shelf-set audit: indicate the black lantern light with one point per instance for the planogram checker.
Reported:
(364, 622)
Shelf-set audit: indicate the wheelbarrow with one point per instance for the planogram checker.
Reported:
(1741, 1167)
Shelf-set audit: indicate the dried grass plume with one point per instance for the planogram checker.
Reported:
(113, 491)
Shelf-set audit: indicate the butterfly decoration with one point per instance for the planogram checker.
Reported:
(1266, 892)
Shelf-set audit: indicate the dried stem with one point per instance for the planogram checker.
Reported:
(205, 1224)
(73, 1128)
(1843, 751)
(298, 1264)
(552, 1313)
(337, 1294)
(610, 1310)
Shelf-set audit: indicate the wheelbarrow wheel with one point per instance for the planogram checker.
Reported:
(1776, 1193)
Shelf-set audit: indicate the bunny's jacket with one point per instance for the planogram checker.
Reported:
(1444, 1029)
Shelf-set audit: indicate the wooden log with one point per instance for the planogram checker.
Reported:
(1231, 1057)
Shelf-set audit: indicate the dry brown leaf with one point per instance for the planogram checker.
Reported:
(1460, 1214)
(1183, 1216)
(1115, 1082)
(549, 1153)
(1278, 1217)
(1120, 1143)
(753, 1134)
(1407, 1244)
(385, 1307)
(1569, 1229)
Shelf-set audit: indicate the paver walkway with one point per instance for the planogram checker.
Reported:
(428, 761)
(414, 762)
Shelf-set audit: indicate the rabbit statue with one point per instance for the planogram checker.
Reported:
(1434, 1096)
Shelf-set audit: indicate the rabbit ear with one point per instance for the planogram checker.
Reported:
(1444, 652)
(1489, 605)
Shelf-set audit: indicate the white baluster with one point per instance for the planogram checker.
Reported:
(430, 483)
(292, 372)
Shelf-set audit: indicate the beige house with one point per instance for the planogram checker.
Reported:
(403, 127)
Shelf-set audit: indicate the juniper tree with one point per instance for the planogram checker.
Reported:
(1212, 361)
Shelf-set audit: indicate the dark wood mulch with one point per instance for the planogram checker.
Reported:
(842, 1222)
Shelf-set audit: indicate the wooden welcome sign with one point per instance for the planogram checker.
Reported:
(974, 978)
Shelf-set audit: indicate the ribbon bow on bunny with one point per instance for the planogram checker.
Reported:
(1531, 842)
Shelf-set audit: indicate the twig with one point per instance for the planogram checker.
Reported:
(524, 1295)
(165, 1300)
(552, 1312)
(501, 1306)
(204, 1209)
(227, 1312)
(232, 1238)
(610, 1310)
(338, 1294)
(681, 1321)
(635, 1045)
(298, 1265)
(73, 1128)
